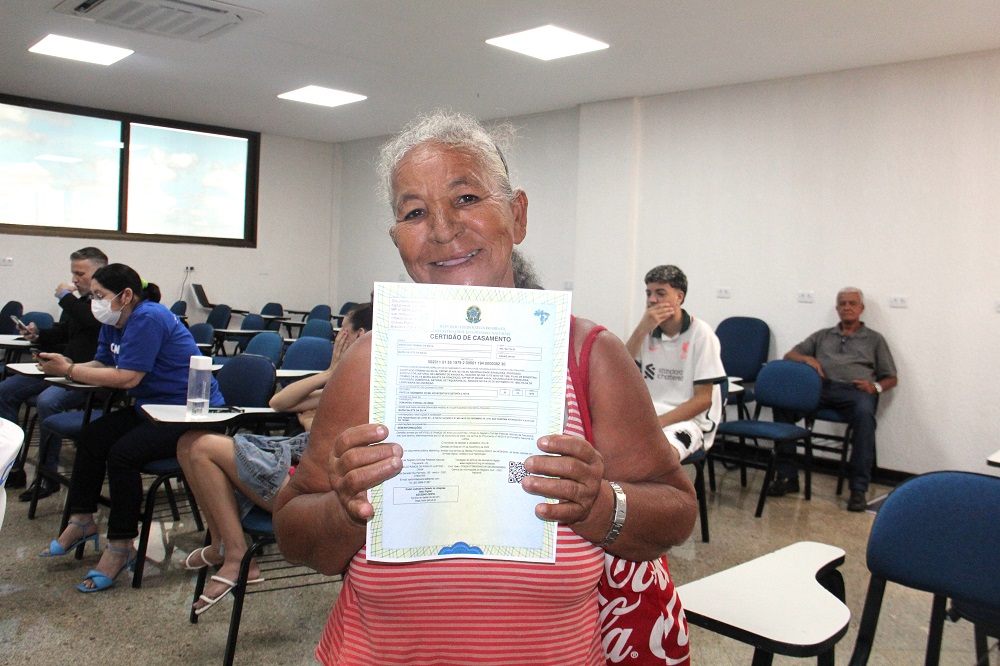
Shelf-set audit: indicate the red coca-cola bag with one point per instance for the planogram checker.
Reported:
(642, 621)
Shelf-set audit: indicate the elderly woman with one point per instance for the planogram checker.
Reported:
(457, 220)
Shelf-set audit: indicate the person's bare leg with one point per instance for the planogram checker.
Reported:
(200, 480)
(214, 460)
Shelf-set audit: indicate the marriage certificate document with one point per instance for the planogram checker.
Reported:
(466, 379)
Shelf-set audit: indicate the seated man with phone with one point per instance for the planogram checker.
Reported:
(76, 337)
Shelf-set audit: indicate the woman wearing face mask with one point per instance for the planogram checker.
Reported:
(143, 349)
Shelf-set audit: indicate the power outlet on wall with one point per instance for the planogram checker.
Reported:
(7, 261)
(189, 269)
(805, 296)
(898, 302)
(724, 292)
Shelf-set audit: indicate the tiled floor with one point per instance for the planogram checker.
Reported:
(44, 620)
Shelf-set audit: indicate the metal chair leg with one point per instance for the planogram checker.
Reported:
(869, 622)
(933, 656)
(239, 593)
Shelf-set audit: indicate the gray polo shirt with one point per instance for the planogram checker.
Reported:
(844, 358)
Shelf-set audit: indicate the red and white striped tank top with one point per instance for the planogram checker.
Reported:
(472, 611)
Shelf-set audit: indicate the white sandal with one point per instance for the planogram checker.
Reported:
(230, 586)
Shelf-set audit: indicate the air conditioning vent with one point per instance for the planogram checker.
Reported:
(195, 20)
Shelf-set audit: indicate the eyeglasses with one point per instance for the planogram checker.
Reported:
(101, 298)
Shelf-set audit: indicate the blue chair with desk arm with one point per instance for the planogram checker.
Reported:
(938, 533)
(308, 353)
(220, 316)
(43, 320)
(317, 328)
(786, 385)
(273, 310)
(267, 344)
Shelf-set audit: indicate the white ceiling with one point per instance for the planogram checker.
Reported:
(414, 55)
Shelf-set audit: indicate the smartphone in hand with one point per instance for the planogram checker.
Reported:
(20, 324)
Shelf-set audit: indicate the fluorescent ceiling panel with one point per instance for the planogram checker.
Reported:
(78, 49)
(547, 43)
(322, 96)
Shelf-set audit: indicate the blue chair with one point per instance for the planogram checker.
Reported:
(7, 326)
(839, 444)
(745, 343)
(344, 309)
(42, 320)
(179, 308)
(319, 312)
(780, 385)
(317, 328)
(308, 354)
(219, 316)
(273, 310)
(247, 380)
(267, 344)
(937, 533)
(251, 322)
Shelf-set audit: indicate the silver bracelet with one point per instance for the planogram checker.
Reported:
(619, 519)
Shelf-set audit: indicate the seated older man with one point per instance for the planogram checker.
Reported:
(856, 366)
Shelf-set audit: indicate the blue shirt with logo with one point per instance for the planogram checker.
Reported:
(155, 342)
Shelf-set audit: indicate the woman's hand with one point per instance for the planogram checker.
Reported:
(357, 463)
(55, 365)
(572, 473)
(30, 332)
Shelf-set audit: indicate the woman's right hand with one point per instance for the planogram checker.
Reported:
(359, 461)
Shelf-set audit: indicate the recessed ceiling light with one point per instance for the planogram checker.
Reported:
(547, 43)
(78, 49)
(58, 158)
(322, 96)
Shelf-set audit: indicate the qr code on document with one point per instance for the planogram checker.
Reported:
(515, 472)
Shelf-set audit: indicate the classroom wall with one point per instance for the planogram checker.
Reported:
(298, 233)
(885, 178)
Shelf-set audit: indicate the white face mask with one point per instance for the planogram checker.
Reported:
(102, 311)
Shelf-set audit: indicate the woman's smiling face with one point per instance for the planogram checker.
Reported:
(452, 224)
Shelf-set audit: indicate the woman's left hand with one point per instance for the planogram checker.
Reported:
(55, 365)
(572, 473)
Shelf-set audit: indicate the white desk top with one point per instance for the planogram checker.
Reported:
(178, 414)
(8, 340)
(280, 373)
(285, 373)
(775, 597)
(30, 369)
(66, 383)
(994, 460)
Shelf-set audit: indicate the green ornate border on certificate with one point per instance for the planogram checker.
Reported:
(560, 302)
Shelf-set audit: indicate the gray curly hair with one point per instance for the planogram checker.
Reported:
(457, 130)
